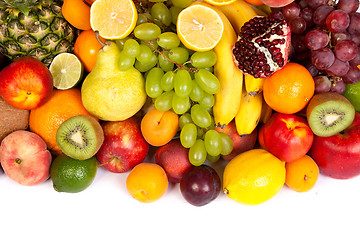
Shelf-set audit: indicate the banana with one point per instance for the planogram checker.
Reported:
(253, 85)
(266, 112)
(227, 99)
(248, 116)
(238, 13)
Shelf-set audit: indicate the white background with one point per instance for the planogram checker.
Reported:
(106, 210)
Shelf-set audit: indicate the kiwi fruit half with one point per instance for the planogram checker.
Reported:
(329, 113)
(80, 137)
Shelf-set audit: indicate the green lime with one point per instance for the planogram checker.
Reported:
(72, 175)
(352, 93)
(67, 70)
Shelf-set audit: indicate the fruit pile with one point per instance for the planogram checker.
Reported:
(163, 90)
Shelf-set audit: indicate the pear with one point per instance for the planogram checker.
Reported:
(110, 94)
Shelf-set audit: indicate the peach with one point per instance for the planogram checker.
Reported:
(277, 3)
(25, 158)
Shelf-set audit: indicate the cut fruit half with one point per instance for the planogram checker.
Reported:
(219, 2)
(199, 27)
(66, 70)
(113, 19)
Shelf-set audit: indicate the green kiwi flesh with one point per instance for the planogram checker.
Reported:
(329, 113)
(80, 137)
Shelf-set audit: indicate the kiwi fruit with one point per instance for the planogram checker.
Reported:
(329, 113)
(80, 137)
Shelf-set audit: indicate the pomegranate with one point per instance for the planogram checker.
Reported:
(263, 46)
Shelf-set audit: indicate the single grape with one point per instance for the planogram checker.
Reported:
(322, 58)
(152, 82)
(146, 66)
(355, 38)
(165, 63)
(197, 153)
(201, 133)
(182, 83)
(164, 101)
(277, 14)
(181, 3)
(348, 6)
(213, 142)
(291, 10)
(184, 119)
(207, 101)
(188, 135)
(180, 105)
(297, 25)
(200, 116)
(143, 18)
(322, 84)
(131, 47)
(346, 50)
(337, 86)
(120, 43)
(307, 14)
(160, 12)
(167, 81)
(174, 11)
(147, 31)
(316, 39)
(298, 42)
(207, 81)
(212, 159)
(203, 59)
(311, 68)
(145, 55)
(168, 40)
(338, 37)
(338, 68)
(125, 62)
(356, 60)
(179, 55)
(200, 185)
(337, 21)
(314, 4)
(354, 28)
(227, 144)
(196, 92)
(352, 76)
(321, 13)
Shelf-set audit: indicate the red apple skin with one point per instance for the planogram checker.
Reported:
(174, 158)
(124, 146)
(26, 83)
(338, 156)
(25, 158)
(261, 137)
(287, 136)
(241, 143)
(277, 3)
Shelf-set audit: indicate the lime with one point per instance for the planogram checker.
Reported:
(352, 93)
(67, 70)
(72, 175)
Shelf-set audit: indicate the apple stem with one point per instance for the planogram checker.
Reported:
(104, 163)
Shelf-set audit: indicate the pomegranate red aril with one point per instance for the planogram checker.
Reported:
(316, 39)
(322, 58)
(337, 21)
(262, 47)
(346, 50)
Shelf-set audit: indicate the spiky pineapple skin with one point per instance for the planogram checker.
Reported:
(41, 32)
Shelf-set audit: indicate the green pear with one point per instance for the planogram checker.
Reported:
(110, 94)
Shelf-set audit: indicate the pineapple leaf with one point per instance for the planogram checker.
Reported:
(22, 5)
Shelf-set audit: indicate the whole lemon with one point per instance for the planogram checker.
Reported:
(253, 177)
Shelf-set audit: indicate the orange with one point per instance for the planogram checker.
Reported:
(46, 119)
(290, 89)
(255, 2)
(301, 174)
(77, 13)
(147, 182)
(86, 48)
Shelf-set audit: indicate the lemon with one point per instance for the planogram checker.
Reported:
(66, 70)
(199, 27)
(72, 175)
(352, 93)
(253, 177)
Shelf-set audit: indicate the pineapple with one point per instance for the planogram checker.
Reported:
(34, 28)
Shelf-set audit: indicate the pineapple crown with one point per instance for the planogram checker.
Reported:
(23, 6)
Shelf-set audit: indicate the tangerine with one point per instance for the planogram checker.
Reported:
(255, 2)
(290, 89)
(46, 119)
(301, 174)
(77, 13)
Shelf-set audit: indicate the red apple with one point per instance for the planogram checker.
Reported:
(277, 3)
(25, 158)
(124, 146)
(287, 136)
(174, 158)
(338, 156)
(26, 83)
(241, 143)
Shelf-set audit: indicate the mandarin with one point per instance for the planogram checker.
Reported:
(77, 13)
(290, 89)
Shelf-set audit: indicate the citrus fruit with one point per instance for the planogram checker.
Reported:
(255, 2)
(77, 13)
(219, 2)
(301, 174)
(86, 48)
(253, 177)
(66, 70)
(290, 89)
(147, 182)
(352, 93)
(199, 27)
(46, 119)
(114, 19)
(72, 175)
